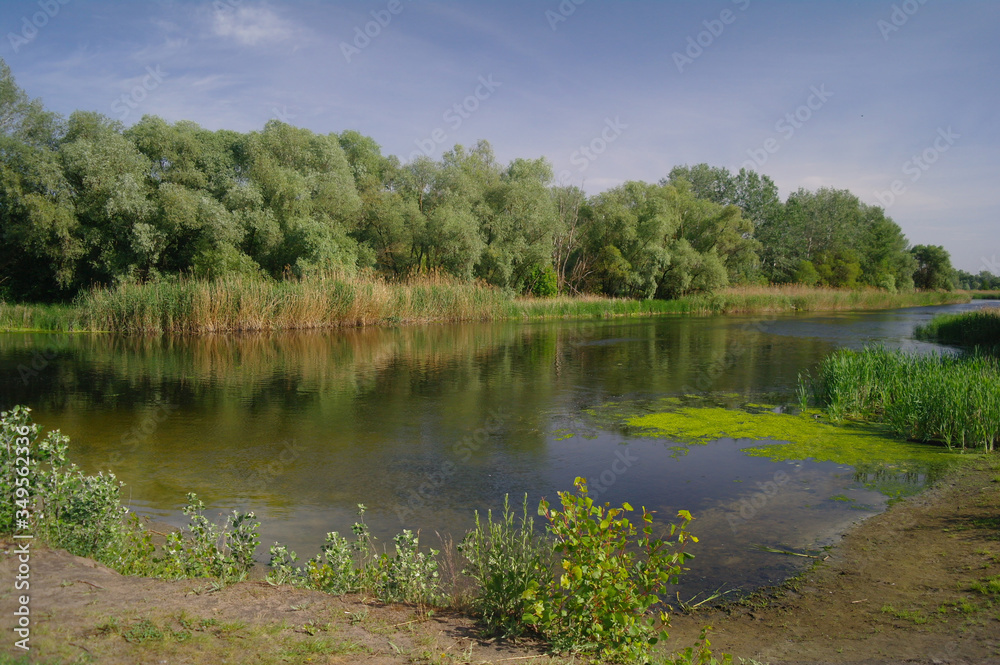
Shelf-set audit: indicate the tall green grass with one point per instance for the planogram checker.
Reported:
(245, 304)
(240, 304)
(31, 318)
(799, 298)
(951, 399)
(977, 328)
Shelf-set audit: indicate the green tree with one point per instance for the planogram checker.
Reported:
(568, 257)
(306, 183)
(519, 224)
(719, 229)
(109, 180)
(40, 239)
(628, 228)
(934, 269)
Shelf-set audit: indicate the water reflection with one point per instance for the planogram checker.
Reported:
(425, 424)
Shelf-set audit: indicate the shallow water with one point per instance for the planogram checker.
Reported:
(426, 424)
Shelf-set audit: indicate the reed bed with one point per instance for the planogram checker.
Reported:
(40, 318)
(245, 304)
(240, 304)
(977, 328)
(951, 399)
(796, 297)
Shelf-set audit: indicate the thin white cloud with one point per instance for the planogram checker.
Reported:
(251, 26)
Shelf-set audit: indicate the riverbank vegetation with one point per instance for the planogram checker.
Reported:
(954, 400)
(977, 328)
(592, 583)
(245, 304)
(148, 210)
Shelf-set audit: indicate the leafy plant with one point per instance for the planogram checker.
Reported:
(49, 495)
(612, 575)
(504, 557)
(343, 566)
(224, 551)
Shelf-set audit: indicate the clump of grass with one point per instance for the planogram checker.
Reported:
(797, 297)
(988, 587)
(977, 328)
(916, 616)
(951, 399)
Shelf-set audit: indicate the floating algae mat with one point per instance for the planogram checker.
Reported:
(882, 461)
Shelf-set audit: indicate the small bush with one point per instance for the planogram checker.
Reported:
(48, 496)
(612, 575)
(343, 566)
(505, 558)
(225, 552)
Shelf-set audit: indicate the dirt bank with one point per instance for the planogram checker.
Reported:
(899, 588)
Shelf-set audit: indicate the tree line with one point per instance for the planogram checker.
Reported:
(86, 201)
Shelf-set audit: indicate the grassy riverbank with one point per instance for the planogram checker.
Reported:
(240, 305)
(887, 593)
(954, 400)
(979, 328)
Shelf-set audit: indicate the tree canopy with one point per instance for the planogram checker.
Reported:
(85, 201)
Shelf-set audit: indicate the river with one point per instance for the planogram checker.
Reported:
(426, 424)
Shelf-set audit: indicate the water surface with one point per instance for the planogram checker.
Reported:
(426, 424)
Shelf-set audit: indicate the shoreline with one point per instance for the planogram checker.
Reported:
(206, 308)
(897, 587)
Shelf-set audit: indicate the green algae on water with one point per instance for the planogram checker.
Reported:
(881, 460)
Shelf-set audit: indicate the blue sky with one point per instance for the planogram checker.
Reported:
(868, 96)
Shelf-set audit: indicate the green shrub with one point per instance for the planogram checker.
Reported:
(611, 577)
(225, 551)
(504, 557)
(343, 566)
(46, 495)
(543, 283)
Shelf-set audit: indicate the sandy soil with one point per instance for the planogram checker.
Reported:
(899, 588)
